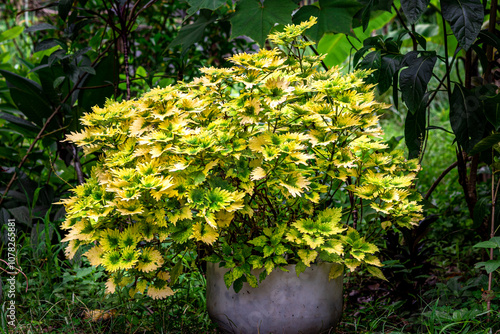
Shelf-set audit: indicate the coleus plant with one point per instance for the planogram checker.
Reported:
(269, 162)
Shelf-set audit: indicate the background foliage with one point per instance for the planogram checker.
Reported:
(435, 61)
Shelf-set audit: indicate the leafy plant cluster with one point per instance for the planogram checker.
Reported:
(248, 159)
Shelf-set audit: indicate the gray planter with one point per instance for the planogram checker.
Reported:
(282, 304)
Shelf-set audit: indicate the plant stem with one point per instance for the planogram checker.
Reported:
(316, 53)
(440, 177)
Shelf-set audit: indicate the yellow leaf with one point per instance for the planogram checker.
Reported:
(205, 233)
(257, 174)
(307, 256)
(336, 270)
(224, 218)
(156, 293)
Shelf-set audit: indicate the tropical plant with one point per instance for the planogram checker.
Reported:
(270, 162)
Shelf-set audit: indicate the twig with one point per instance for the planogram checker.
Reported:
(316, 53)
(440, 177)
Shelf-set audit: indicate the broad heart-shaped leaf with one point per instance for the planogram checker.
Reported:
(255, 19)
(192, 33)
(466, 117)
(413, 80)
(413, 9)
(465, 18)
(333, 16)
(390, 65)
(415, 129)
(486, 143)
(196, 5)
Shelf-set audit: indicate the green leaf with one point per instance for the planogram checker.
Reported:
(269, 266)
(196, 5)
(372, 61)
(11, 33)
(300, 268)
(333, 16)
(465, 18)
(192, 33)
(29, 98)
(307, 256)
(415, 129)
(491, 265)
(106, 73)
(238, 272)
(39, 27)
(413, 9)
(336, 270)
(492, 112)
(256, 261)
(413, 80)
(176, 272)
(337, 47)
(181, 231)
(486, 244)
(268, 251)
(252, 280)
(19, 121)
(238, 284)
(389, 67)
(255, 19)
(486, 143)
(259, 241)
(228, 279)
(482, 210)
(376, 272)
(63, 8)
(466, 117)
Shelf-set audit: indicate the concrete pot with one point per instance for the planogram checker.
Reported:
(282, 304)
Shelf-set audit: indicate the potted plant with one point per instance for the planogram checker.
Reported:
(272, 164)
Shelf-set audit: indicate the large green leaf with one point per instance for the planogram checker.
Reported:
(63, 8)
(19, 121)
(192, 33)
(465, 18)
(486, 143)
(370, 10)
(255, 19)
(196, 5)
(105, 74)
(390, 65)
(28, 97)
(492, 109)
(413, 80)
(372, 61)
(11, 33)
(336, 46)
(333, 16)
(415, 129)
(466, 117)
(413, 9)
